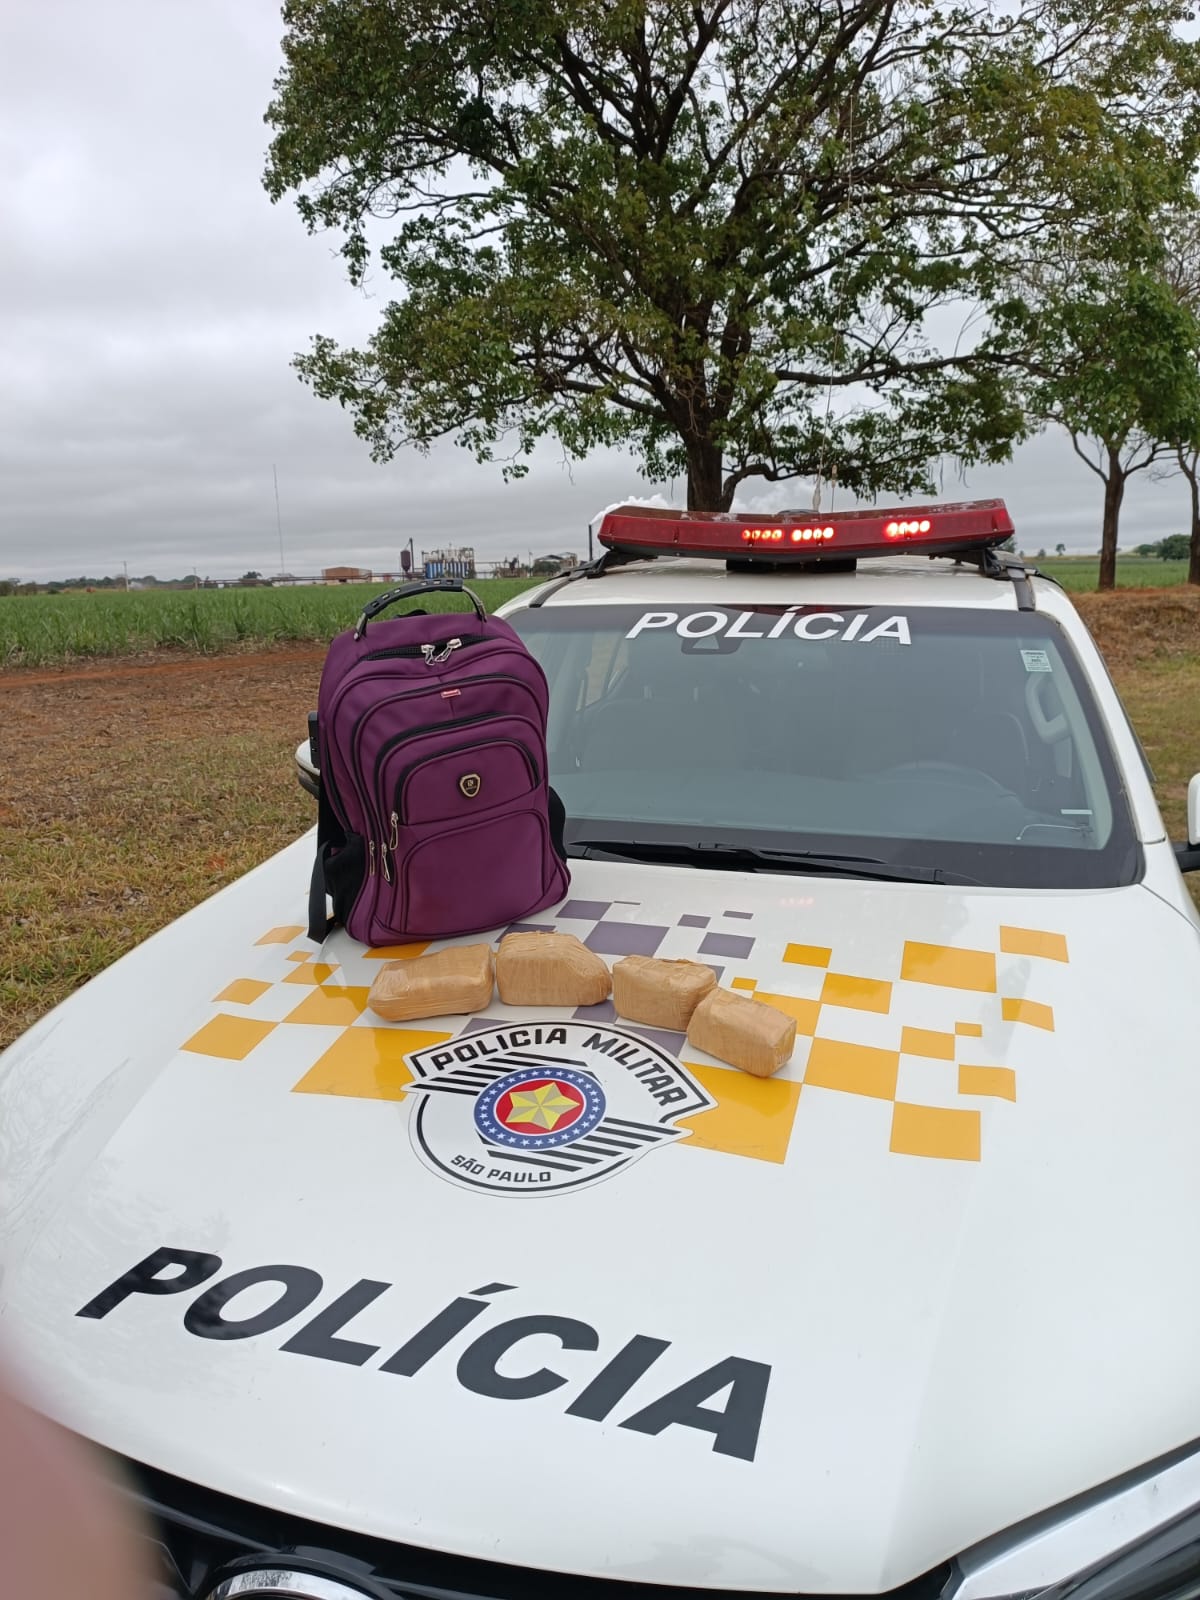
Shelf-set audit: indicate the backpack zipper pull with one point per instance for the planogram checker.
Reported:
(434, 657)
(390, 846)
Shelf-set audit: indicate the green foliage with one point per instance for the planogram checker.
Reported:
(715, 232)
(1117, 367)
(1122, 363)
(1174, 547)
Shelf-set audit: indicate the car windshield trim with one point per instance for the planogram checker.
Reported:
(749, 858)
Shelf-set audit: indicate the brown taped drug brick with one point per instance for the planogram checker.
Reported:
(441, 985)
(747, 1033)
(662, 994)
(550, 969)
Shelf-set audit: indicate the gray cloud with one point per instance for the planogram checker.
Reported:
(151, 299)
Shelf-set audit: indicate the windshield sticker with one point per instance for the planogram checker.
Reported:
(1036, 661)
(490, 1363)
(848, 627)
(533, 1110)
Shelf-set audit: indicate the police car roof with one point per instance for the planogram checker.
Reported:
(900, 580)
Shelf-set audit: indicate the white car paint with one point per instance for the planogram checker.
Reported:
(956, 1341)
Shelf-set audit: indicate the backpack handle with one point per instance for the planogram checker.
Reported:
(407, 591)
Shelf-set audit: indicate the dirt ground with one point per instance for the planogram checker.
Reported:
(133, 788)
(129, 791)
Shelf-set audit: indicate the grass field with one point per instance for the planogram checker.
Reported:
(36, 630)
(1079, 573)
(129, 791)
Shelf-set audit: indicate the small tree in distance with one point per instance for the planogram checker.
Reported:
(1182, 270)
(1118, 372)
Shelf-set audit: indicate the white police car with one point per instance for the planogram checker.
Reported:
(916, 1315)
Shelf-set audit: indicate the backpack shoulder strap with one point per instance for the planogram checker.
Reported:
(329, 834)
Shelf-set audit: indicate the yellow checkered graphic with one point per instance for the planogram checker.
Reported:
(753, 1118)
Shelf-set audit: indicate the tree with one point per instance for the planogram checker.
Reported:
(1182, 271)
(1118, 372)
(1060, 549)
(686, 226)
(1175, 547)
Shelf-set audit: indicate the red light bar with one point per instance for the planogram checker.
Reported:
(968, 526)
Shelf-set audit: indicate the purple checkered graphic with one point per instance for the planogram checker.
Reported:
(744, 916)
(627, 939)
(672, 1043)
(693, 922)
(726, 944)
(585, 910)
(482, 1022)
(530, 927)
(604, 1012)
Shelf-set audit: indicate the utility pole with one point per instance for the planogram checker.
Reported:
(125, 564)
(589, 541)
(278, 521)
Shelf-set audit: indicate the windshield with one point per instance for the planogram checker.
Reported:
(958, 741)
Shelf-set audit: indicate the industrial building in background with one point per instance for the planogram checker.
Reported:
(346, 574)
(456, 563)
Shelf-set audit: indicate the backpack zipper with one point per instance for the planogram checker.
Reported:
(438, 727)
(423, 650)
(394, 819)
(407, 694)
(428, 688)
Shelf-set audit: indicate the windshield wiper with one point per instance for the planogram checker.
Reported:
(751, 858)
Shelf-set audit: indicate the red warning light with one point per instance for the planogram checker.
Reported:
(966, 528)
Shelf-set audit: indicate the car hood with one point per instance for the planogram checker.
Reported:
(813, 1333)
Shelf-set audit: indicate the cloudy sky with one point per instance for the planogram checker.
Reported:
(151, 298)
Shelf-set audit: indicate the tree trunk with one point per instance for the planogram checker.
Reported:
(1188, 466)
(705, 476)
(1114, 493)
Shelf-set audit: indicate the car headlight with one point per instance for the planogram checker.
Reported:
(264, 1583)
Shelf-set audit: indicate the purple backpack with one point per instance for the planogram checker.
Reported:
(435, 815)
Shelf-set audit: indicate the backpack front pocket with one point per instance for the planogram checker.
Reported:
(457, 784)
(467, 879)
